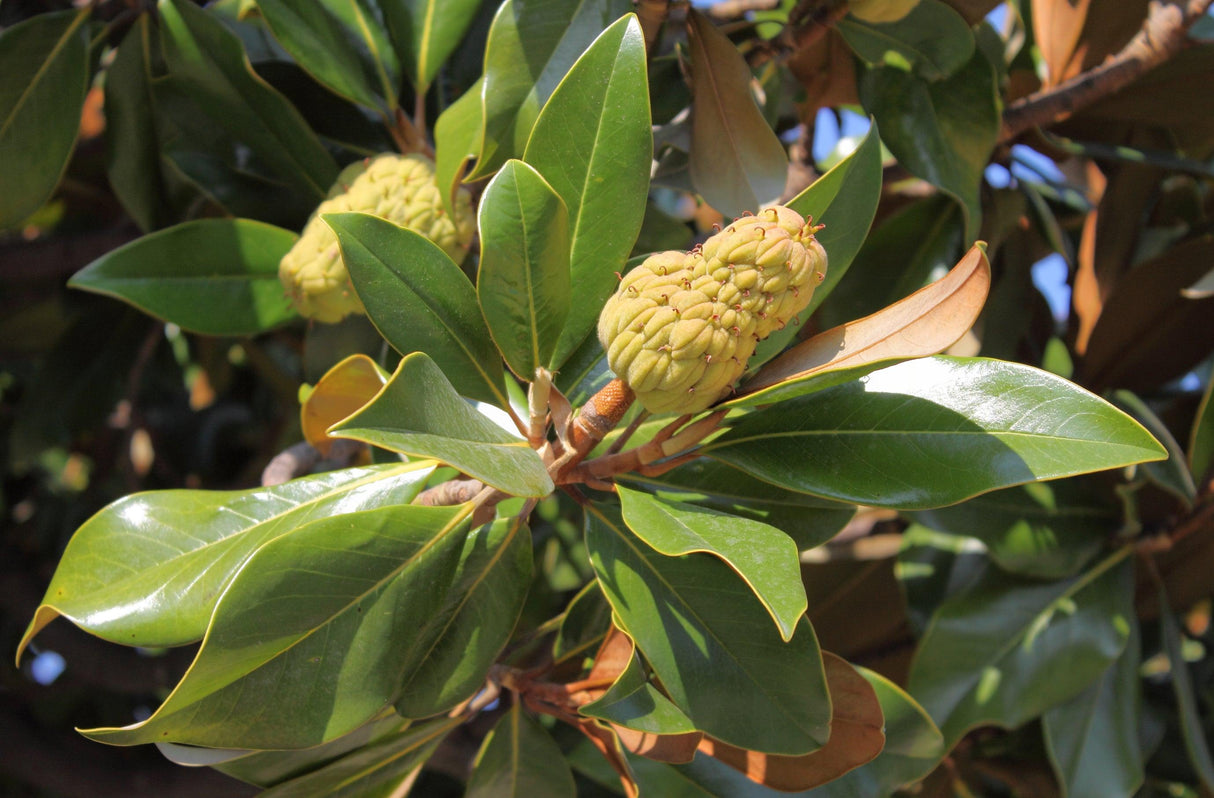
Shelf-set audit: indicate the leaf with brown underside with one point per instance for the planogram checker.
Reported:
(924, 323)
(608, 744)
(676, 749)
(856, 737)
(341, 393)
(613, 656)
(1057, 25)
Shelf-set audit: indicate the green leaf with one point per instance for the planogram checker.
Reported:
(211, 64)
(44, 61)
(593, 143)
(941, 131)
(1048, 530)
(1201, 439)
(360, 603)
(426, 32)
(762, 555)
(523, 280)
(635, 703)
(420, 301)
(1191, 726)
(210, 276)
(456, 138)
(1092, 740)
(931, 432)
(933, 40)
(1172, 474)
(586, 621)
(342, 44)
(375, 771)
(1005, 650)
(518, 759)
(711, 644)
(808, 520)
(530, 47)
(419, 413)
(148, 569)
(737, 162)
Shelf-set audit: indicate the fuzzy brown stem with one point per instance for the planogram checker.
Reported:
(454, 491)
(597, 417)
(1163, 34)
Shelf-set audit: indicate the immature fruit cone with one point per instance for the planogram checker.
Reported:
(399, 188)
(681, 326)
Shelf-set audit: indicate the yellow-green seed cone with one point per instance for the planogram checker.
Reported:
(398, 188)
(682, 325)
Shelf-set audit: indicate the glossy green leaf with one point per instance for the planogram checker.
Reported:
(593, 143)
(456, 138)
(737, 162)
(932, 40)
(426, 32)
(519, 759)
(342, 43)
(586, 622)
(210, 62)
(419, 413)
(941, 131)
(808, 520)
(420, 301)
(762, 555)
(1043, 529)
(523, 280)
(931, 432)
(148, 569)
(1172, 474)
(531, 46)
(361, 603)
(44, 61)
(1092, 740)
(635, 703)
(211, 276)
(1191, 727)
(1201, 438)
(711, 643)
(1005, 650)
(375, 771)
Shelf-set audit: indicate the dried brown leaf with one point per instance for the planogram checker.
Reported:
(924, 323)
(1057, 25)
(856, 737)
(675, 749)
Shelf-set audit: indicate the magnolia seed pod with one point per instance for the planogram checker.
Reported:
(682, 325)
(398, 188)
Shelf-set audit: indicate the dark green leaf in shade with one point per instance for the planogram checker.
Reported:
(519, 759)
(523, 280)
(635, 703)
(341, 124)
(1173, 474)
(419, 413)
(585, 372)
(593, 144)
(586, 622)
(420, 301)
(531, 46)
(426, 32)
(933, 431)
(933, 40)
(362, 603)
(1191, 727)
(120, 569)
(808, 520)
(711, 643)
(1092, 740)
(1005, 650)
(931, 566)
(941, 131)
(1043, 529)
(456, 137)
(342, 44)
(845, 201)
(737, 162)
(660, 232)
(763, 556)
(211, 64)
(210, 276)
(44, 61)
(914, 246)
(1201, 438)
(377, 770)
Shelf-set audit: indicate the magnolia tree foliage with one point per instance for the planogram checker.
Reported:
(651, 465)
